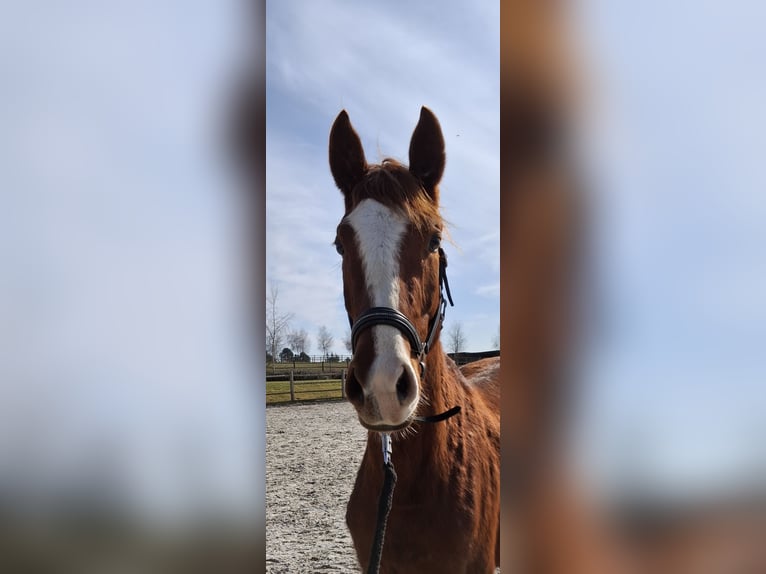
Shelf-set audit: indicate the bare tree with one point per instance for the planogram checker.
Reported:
(293, 340)
(456, 338)
(305, 342)
(298, 341)
(324, 340)
(496, 339)
(277, 323)
(347, 342)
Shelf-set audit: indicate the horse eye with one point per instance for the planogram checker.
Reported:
(339, 248)
(436, 241)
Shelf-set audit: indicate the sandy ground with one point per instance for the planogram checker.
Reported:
(313, 452)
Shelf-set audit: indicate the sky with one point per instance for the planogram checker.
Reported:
(675, 139)
(122, 353)
(381, 65)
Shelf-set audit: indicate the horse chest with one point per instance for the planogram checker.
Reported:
(435, 535)
(419, 539)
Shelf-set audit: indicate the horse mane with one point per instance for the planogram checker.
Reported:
(392, 184)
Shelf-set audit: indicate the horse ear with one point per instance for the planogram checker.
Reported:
(347, 162)
(427, 151)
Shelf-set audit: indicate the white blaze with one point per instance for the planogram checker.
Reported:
(379, 231)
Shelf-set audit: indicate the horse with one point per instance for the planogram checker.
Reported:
(445, 513)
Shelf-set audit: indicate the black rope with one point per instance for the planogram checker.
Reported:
(437, 418)
(384, 507)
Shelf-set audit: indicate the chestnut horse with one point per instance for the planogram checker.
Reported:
(445, 513)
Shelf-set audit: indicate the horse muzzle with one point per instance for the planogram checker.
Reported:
(386, 398)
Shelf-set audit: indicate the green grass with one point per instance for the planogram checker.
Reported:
(304, 390)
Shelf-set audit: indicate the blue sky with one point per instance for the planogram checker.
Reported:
(675, 139)
(381, 65)
(121, 311)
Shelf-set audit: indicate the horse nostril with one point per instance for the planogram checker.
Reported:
(354, 390)
(403, 387)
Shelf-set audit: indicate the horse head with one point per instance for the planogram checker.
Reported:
(389, 239)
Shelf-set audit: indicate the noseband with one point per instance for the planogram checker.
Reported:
(393, 318)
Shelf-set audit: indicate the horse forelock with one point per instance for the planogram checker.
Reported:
(393, 185)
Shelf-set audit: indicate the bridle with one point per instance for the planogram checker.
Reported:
(398, 320)
(393, 318)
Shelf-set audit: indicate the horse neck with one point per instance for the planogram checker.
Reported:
(424, 451)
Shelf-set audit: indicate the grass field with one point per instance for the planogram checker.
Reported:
(279, 391)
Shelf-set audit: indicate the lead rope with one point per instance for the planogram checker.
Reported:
(384, 505)
(387, 493)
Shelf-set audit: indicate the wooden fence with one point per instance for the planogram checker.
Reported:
(335, 363)
(301, 388)
(293, 381)
(332, 364)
